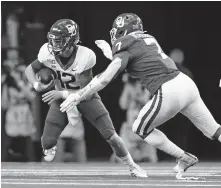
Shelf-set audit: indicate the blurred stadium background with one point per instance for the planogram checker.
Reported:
(192, 27)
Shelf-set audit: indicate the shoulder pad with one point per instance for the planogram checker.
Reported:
(83, 47)
(85, 50)
(122, 44)
(44, 53)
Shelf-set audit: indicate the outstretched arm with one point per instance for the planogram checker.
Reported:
(100, 81)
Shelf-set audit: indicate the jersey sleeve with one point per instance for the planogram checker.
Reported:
(91, 60)
(125, 58)
(43, 53)
(122, 44)
(42, 57)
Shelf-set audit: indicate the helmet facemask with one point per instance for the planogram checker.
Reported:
(58, 44)
(113, 32)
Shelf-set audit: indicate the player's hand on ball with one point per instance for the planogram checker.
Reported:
(39, 87)
(71, 101)
(105, 47)
(51, 96)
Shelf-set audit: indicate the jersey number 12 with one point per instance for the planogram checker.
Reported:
(67, 81)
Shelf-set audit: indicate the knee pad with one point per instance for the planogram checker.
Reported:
(55, 123)
(217, 134)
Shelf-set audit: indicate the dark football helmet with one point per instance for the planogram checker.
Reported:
(63, 34)
(124, 24)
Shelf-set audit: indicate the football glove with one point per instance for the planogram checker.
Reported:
(71, 101)
(105, 47)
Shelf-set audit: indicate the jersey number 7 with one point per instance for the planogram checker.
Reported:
(119, 45)
(150, 41)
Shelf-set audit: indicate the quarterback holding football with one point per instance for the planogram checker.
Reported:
(72, 70)
(172, 91)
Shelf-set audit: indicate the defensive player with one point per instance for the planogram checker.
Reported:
(73, 65)
(172, 91)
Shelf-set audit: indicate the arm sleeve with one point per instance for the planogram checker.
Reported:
(118, 64)
(42, 56)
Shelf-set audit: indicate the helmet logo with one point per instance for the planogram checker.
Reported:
(120, 21)
(56, 29)
(71, 29)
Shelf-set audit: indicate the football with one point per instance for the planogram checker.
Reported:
(45, 75)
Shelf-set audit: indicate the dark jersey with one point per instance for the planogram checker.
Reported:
(145, 60)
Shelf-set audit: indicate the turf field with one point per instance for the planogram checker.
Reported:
(97, 175)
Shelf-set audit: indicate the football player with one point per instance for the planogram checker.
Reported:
(73, 65)
(172, 91)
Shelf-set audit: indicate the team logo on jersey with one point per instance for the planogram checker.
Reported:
(52, 61)
(53, 66)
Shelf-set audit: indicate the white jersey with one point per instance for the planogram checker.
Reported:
(72, 76)
(69, 76)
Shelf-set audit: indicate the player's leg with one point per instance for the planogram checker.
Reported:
(169, 100)
(54, 124)
(59, 157)
(158, 110)
(94, 110)
(201, 117)
(131, 141)
(148, 152)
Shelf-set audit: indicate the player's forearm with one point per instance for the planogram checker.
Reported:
(99, 82)
(94, 86)
(30, 74)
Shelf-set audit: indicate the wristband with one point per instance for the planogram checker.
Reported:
(36, 85)
(64, 94)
